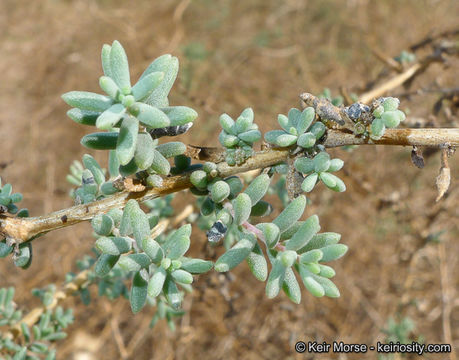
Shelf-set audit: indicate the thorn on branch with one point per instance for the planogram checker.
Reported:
(444, 176)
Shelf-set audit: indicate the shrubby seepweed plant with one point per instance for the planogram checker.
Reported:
(134, 257)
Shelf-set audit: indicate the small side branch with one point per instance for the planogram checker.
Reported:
(391, 84)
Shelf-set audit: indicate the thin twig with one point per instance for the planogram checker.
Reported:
(410, 73)
(391, 84)
(390, 62)
(431, 38)
(67, 290)
(114, 325)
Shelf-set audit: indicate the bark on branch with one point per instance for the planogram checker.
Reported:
(26, 229)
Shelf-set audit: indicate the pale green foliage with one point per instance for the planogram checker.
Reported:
(22, 257)
(37, 340)
(297, 129)
(156, 263)
(335, 100)
(156, 270)
(238, 136)
(386, 115)
(405, 57)
(8, 199)
(128, 113)
(320, 168)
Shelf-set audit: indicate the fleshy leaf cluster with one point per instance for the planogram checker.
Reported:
(297, 128)
(291, 246)
(36, 340)
(91, 179)
(8, 201)
(386, 115)
(159, 266)
(22, 253)
(128, 113)
(238, 136)
(320, 168)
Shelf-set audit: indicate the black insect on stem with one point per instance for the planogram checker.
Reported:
(170, 130)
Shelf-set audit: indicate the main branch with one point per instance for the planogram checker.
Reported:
(25, 229)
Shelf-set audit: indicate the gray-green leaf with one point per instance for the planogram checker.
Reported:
(291, 213)
(235, 255)
(119, 67)
(87, 100)
(291, 286)
(134, 262)
(91, 164)
(180, 115)
(271, 233)
(109, 86)
(171, 149)
(100, 141)
(152, 249)
(173, 296)
(110, 117)
(144, 152)
(257, 263)
(145, 86)
(138, 296)
(328, 286)
(258, 188)
(113, 245)
(138, 220)
(333, 252)
(196, 266)
(182, 276)
(105, 263)
(127, 140)
(156, 283)
(179, 243)
(105, 57)
(83, 117)
(275, 279)
(242, 206)
(320, 240)
(150, 116)
(160, 164)
(169, 66)
(304, 234)
(310, 283)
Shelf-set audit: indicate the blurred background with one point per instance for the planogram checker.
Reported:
(399, 277)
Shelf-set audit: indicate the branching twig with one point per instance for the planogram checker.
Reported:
(81, 280)
(433, 37)
(409, 74)
(25, 229)
(391, 84)
(31, 318)
(390, 62)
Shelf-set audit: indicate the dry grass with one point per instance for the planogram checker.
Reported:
(253, 53)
